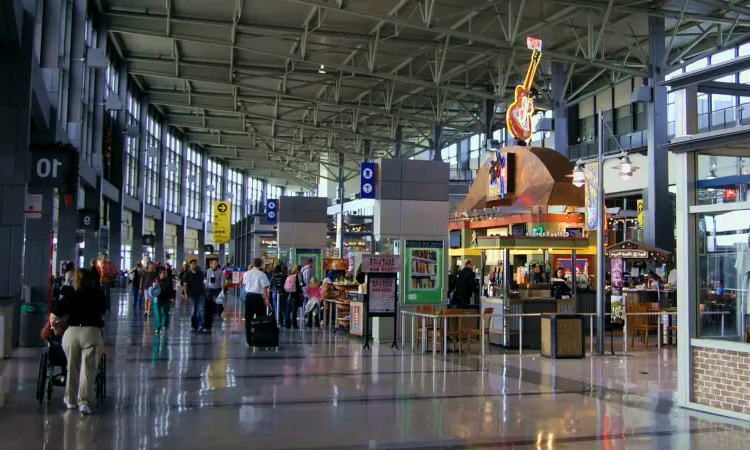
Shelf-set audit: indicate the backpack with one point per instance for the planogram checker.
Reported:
(290, 284)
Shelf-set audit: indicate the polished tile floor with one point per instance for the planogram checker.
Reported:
(322, 391)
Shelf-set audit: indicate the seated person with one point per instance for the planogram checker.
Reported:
(52, 333)
(312, 308)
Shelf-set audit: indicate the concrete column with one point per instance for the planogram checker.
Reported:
(397, 143)
(223, 195)
(161, 221)
(686, 111)
(136, 252)
(559, 109)
(437, 146)
(37, 247)
(340, 216)
(488, 117)
(464, 154)
(658, 228)
(76, 72)
(91, 200)
(67, 226)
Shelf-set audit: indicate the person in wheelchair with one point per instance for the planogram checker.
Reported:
(53, 336)
(82, 342)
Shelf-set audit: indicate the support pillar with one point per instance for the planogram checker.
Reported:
(437, 147)
(658, 227)
(340, 216)
(559, 109)
(488, 117)
(37, 252)
(136, 251)
(67, 226)
(397, 141)
(91, 201)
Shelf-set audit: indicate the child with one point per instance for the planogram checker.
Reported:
(154, 292)
(312, 307)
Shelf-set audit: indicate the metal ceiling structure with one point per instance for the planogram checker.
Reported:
(280, 87)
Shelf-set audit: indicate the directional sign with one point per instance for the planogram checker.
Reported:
(367, 180)
(222, 222)
(50, 168)
(272, 210)
(33, 207)
(88, 219)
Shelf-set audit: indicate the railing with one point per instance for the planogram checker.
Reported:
(435, 317)
(630, 141)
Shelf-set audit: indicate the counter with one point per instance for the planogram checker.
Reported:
(505, 330)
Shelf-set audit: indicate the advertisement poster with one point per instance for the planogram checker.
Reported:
(617, 298)
(382, 295)
(335, 264)
(592, 210)
(424, 272)
(222, 222)
(357, 325)
(302, 255)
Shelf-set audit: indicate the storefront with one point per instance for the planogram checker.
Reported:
(713, 262)
(520, 222)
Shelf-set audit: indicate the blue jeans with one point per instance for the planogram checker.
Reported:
(137, 298)
(161, 313)
(107, 288)
(198, 317)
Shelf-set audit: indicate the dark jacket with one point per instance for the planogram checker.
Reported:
(84, 308)
(466, 286)
(277, 282)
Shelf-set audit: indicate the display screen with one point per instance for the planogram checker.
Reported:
(455, 238)
(424, 272)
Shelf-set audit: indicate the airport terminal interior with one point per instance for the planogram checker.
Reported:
(361, 224)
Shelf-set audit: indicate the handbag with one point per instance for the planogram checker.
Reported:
(220, 298)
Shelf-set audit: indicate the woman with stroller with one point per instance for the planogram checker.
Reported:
(82, 310)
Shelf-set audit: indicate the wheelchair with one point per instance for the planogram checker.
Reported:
(46, 378)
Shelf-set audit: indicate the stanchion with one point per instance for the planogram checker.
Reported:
(520, 335)
(424, 335)
(625, 332)
(366, 331)
(434, 337)
(403, 335)
(395, 327)
(445, 338)
(591, 335)
(722, 323)
(481, 328)
(414, 333)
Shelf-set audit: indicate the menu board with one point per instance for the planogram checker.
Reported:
(617, 281)
(425, 274)
(381, 263)
(381, 299)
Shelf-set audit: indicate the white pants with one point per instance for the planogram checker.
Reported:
(82, 346)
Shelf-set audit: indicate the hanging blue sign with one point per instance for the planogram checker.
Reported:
(367, 180)
(272, 210)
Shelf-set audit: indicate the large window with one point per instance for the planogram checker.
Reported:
(721, 246)
(133, 109)
(215, 183)
(153, 134)
(194, 180)
(113, 84)
(254, 195)
(87, 96)
(275, 192)
(173, 179)
(234, 192)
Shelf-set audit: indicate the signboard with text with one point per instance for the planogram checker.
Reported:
(381, 295)
(222, 222)
(381, 263)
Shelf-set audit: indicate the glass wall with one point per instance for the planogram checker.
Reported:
(133, 109)
(215, 184)
(275, 191)
(234, 192)
(153, 152)
(173, 170)
(254, 195)
(87, 96)
(721, 246)
(194, 183)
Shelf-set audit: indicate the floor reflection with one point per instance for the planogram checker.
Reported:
(320, 390)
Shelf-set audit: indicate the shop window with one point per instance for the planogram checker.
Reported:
(723, 257)
(722, 179)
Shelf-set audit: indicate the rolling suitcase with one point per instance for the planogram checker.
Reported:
(265, 332)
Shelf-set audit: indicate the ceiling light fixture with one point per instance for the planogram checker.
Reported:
(579, 178)
(712, 173)
(322, 69)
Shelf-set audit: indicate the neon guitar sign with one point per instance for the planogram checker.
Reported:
(518, 117)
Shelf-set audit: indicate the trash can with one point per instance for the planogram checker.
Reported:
(33, 318)
(562, 336)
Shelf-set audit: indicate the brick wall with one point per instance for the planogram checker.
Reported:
(721, 379)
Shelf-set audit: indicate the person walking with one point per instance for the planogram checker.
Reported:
(107, 275)
(256, 297)
(194, 289)
(94, 267)
(147, 279)
(277, 292)
(135, 277)
(214, 285)
(466, 285)
(162, 301)
(82, 342)
(293, 289)
(308, 271)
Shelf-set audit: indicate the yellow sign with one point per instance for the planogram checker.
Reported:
(640, 212)
(222, 222)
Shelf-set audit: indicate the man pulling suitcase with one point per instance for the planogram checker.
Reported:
(257, 299)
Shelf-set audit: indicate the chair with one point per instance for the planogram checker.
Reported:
(453, 331)
(469, 332)
(641, 325)
(429, 326)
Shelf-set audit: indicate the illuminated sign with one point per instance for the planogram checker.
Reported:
(629, 254)
(539, 232)
(518, 117)
(502, 173)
